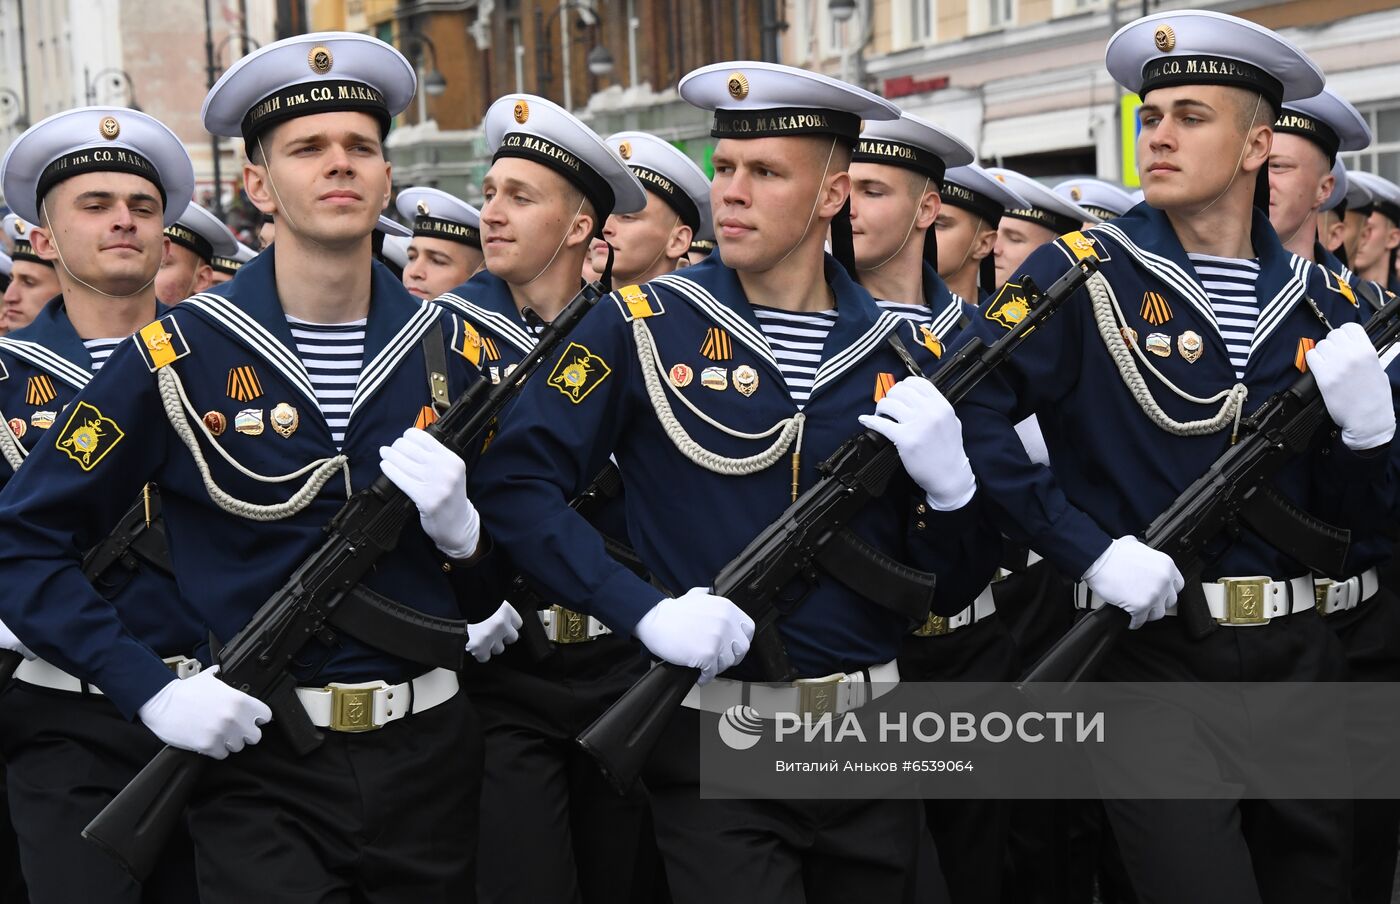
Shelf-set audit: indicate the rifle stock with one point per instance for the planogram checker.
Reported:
(133, 828)
(621, 739)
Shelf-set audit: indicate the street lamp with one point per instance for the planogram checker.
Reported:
(12, 110)
(841, 10)
(600, 61)
(434, 83)
(119, 77)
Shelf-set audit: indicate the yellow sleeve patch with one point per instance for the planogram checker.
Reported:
(161, 343)
(578, 372)
(637, 303)
(1345, 289)
(471, 344)
(1010, 306)
(1080, 245)
(88, 436)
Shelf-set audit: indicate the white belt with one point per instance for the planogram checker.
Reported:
(1339, 596)
(567, 626)
(374, 704)
(835, 693)
(938, 625)
(1237, 602)
(42, 674)
(1032, 558)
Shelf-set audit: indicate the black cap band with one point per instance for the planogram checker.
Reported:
(786, 121)
(23, 251)
(897, 153)
(671, 193)
(437, 228)
(564, 162)
(704, 246)
(1388, 209)
(225, 264)
(961, 196)
(309, 98)
(1166, 72)
(181, 234)
(97, 160)
(1103, 213)
(1056, 222)
(1312, 128)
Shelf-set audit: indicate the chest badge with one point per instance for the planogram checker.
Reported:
(285, 420)
(42, 420)
(1130, 335)
(18, 427)
(931, 341)
(883, 384)
(216, 422)
(1300, 358)
(1159, 344)
(746, 380)
(39, 391)
(249, 422)
(1190, 345)
(716, 378)
(681, 375)
(1155, 309)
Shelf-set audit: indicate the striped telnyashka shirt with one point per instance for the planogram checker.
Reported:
(796, 340)
(1229, 283)
(99, 350)
(334, 355)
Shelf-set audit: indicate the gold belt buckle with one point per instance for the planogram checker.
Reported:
(1322, 587)
(934, 626)
(1244, 601)
(567, 626)
(817, 696)
(352, 708)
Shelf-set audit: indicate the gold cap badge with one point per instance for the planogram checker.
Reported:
(1075, 193)
(738, 86)
(625, 149)
(109, 127)
(423, 208)
(320, 59)
(522, 111)
(1164, 38)
(20, 227)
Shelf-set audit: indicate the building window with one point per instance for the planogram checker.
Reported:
(990, 15)
(1383, 156)
(1070, 7)
(913, 22)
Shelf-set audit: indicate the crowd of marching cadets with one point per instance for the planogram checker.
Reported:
(185, 416)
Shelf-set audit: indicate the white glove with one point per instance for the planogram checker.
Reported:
(436, 480)
(698, 630)
(1354, 387)
(928, 435)
(489, 636)
(8, 641)
(1137, 579)
(203, 714)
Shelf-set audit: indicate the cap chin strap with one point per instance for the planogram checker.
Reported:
(816, 202)
(908, 232)
(1244, 148)
(607, 272)
(53, 237)
(647, 269)
(282, 208)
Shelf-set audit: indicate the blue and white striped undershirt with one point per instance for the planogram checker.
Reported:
(796, 340)
(99, 350)
(333, 354)
(1229, 283)
(918, 313)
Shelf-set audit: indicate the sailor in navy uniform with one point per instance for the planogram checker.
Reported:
(32, 279)
(237, 403)
(973, 204)
(1025, 229)
(1379, 244)
(446, 246)
(55, 727)
(390, 244)
(1344, 216)
(716, 407)
(552, 828)
(1178, 292)
(227, 267)
(896, 174)
(195, 239)
(657, 239)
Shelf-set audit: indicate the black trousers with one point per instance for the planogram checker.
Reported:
(12, 889)
(1236, 851)
(552, 828)
(774, 851)
(1370, 634)
(969, 835)
(382, 817)
(67, 755)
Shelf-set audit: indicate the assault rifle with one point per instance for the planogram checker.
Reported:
(1235, 494)
(812, 533)
(134, 827)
